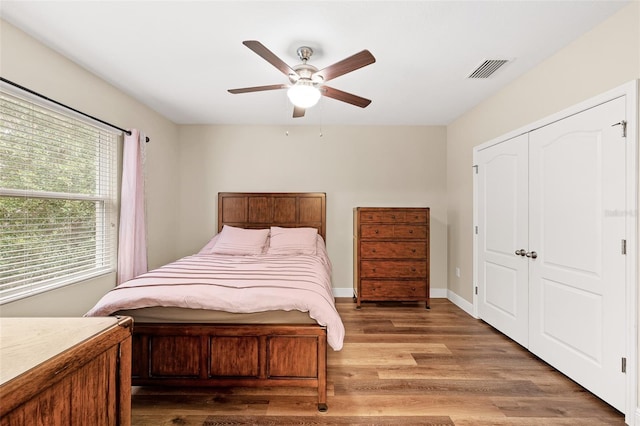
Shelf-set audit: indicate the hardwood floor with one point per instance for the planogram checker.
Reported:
(401, 365)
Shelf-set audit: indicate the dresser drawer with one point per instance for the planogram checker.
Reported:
(382, 216)
(393, 231)
(394, 216)
(393, 269)
(386, 290)
(376, 231)
(392, 250)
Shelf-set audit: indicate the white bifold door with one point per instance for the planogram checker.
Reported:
(503, 235)
(551, 234)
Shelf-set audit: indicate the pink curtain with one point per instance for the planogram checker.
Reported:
(132, 240)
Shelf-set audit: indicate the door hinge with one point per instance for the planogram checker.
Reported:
(622, 123)
(476, 230)
(476, 290)
(623, 247)
(475, 167)
(624, 365)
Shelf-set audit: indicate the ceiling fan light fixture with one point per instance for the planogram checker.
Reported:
(304, 94)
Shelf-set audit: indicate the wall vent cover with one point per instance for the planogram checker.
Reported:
(487, 68)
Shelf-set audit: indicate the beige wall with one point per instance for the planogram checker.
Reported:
(355, 166)
(602, 59)
(25, 61)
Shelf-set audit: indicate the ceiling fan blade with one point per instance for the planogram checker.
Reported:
(269, 56)
(258, 88)
(349, 64)
(298, 112)
(349, 98)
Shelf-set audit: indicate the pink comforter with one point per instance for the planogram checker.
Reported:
(240, 284)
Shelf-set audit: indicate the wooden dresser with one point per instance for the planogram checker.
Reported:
(65, 371)
(391, 254)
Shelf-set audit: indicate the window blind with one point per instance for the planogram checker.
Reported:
(57, 198)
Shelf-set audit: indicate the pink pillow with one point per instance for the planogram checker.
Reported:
(240, 241)
(209, 246)
(292, 240)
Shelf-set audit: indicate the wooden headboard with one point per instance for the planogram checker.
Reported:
(265, 209)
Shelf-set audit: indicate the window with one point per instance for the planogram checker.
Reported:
(57, 198)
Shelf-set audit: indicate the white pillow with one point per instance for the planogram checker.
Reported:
(240, 241)
(292, 240)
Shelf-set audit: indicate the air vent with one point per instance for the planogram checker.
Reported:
(487, 68)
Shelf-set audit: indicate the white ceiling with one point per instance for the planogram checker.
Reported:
(180, 57)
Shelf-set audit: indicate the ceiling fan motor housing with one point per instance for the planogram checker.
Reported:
(305, 71)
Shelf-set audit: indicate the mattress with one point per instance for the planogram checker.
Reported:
(159, 314)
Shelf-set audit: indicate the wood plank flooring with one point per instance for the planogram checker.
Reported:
(401, 365)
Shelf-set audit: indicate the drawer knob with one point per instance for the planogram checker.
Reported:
(376, 231)
(413, 269)
(411, 231)
(393, 216)
(413, 250)
(413, 289)
(373, 250)
(374, 269)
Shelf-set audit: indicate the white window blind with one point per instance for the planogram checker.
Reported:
(57, 198)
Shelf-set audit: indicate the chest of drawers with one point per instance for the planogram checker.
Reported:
(391, 254)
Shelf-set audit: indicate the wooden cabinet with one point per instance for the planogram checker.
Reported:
(391, 254)
(65, 371)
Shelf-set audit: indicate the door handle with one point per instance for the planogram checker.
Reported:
(532, 254)
(521, 252)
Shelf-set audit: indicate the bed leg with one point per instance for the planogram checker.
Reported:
(356, 300)
(321, 361)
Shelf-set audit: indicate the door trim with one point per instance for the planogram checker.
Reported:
(630, 92)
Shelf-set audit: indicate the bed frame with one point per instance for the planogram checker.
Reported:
(255, 355)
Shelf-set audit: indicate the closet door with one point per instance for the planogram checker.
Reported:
(576, 228)
(502, 209)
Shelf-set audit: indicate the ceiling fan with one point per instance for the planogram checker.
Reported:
(307, 83)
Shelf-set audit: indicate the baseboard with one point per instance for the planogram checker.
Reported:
(460, 302)
(342, 292)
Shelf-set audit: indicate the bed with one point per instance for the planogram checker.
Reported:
(196, 343)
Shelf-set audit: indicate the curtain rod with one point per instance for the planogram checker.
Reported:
(128, 132)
